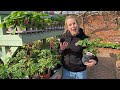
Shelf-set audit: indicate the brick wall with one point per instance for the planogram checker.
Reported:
(102, 26)
(108, 52)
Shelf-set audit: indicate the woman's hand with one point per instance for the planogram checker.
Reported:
(63, 45)
(90, 63)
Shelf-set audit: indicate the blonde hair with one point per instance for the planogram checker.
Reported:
(70, 17)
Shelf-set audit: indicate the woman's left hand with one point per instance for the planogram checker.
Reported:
(91, 63)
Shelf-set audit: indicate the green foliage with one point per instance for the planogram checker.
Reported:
(47, 60)
(16, 71)
(30, 19)
(3, 71)
(31, 59)
(91, 45)
(54, 40)
(109, 45)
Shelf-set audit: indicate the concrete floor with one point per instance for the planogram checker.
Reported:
(105, 69)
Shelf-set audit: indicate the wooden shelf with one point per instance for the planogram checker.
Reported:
(35, 31)
(20, 39)
(25, 32)
(57, 75)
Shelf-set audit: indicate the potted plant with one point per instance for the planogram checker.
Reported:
(47, 61)
(17, 66)
(14, 21)
(89, 45)
(90, 50)
(40, 61)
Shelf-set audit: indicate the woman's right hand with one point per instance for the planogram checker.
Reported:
(63, 45)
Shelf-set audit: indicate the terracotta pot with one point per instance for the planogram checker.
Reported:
(45, 76)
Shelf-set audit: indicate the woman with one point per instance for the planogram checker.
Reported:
(73, 67)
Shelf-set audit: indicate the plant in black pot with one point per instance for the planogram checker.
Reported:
(90, 48)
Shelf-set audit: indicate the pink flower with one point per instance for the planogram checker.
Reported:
(89, 54)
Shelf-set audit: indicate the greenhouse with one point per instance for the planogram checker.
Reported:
(30, 41)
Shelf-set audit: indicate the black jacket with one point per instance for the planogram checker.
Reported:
(72, 56)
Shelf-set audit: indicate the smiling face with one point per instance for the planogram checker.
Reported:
(72, 26)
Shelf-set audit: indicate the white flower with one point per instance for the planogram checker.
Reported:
(58, 39)
(76, 44)
(117, 42)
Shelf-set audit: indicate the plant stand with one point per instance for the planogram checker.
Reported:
(10, 43)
